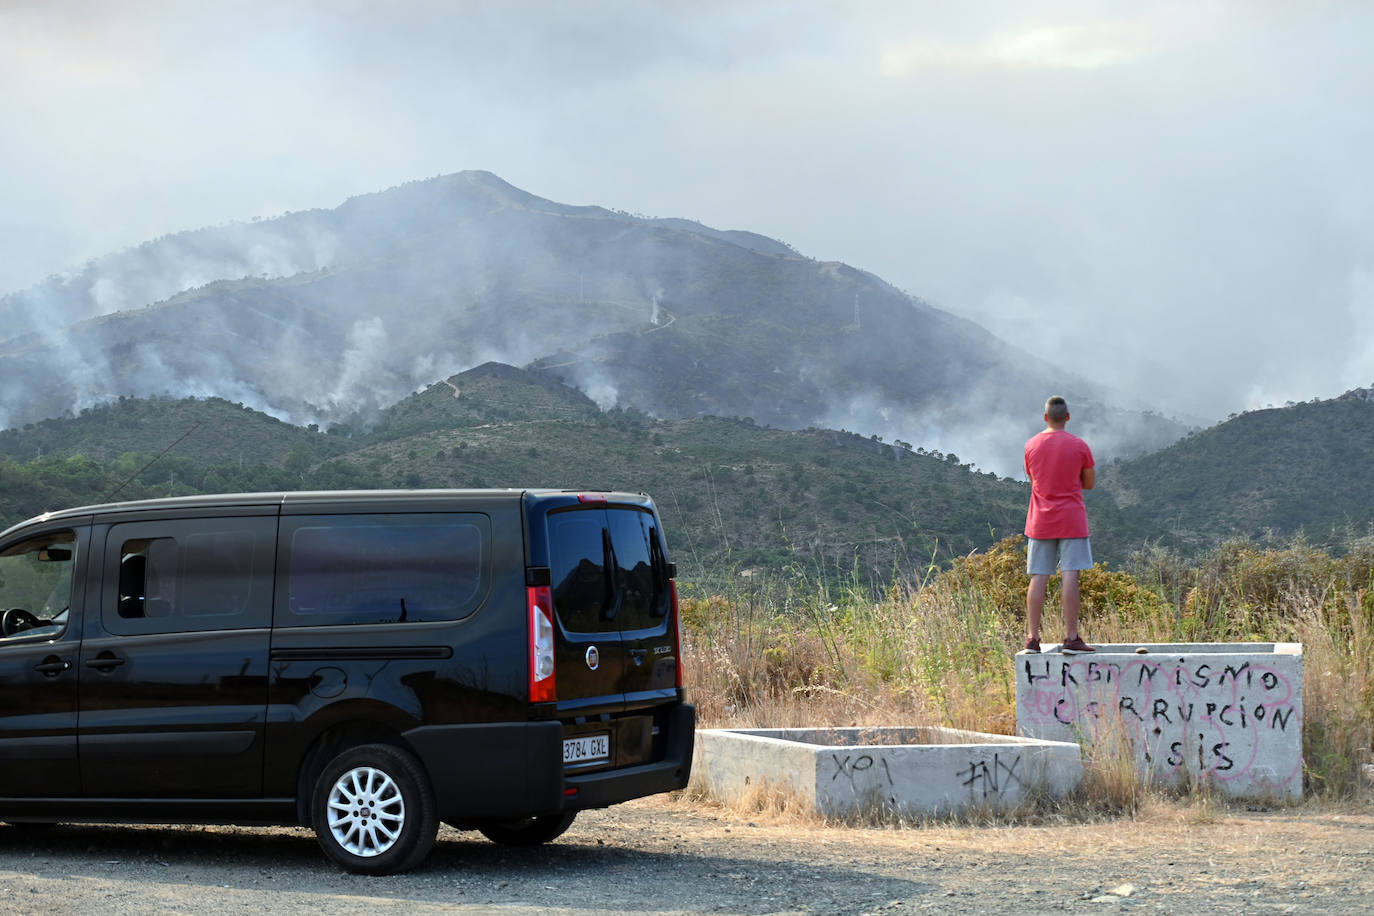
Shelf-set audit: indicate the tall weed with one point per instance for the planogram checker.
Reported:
(816, 649)
(1338, 688)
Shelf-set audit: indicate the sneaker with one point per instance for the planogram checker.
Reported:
(1032, 647)
(1075, 646)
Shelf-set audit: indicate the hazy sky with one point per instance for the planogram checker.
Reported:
(1173, 198)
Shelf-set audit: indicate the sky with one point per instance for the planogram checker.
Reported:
(1175, 199)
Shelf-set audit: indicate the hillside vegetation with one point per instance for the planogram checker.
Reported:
(215, 431)
(738, 499)
(1284, 471)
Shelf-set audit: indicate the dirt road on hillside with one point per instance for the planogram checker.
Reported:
(664, 857)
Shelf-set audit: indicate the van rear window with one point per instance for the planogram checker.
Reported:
(605, 577)
(349, 569)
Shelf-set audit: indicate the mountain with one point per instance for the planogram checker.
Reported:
(329, 316)
(214, 430)
(736, 497)
(1304, 469)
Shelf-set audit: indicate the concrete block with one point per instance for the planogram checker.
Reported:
(1229, 714)
(910, 771)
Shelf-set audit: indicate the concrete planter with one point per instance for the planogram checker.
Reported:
(1229, 714)
(910, 771)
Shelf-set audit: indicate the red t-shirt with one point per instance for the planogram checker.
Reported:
(1055, 460)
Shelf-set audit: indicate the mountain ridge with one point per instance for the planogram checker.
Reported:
(330, 316)
(739, 496)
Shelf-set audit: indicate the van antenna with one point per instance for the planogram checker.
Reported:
(156, 458)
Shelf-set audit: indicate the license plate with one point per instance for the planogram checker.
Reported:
(586, 749)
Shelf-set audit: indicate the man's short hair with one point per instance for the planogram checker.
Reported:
(1057, 409)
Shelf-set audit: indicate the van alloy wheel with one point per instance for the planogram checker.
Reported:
(373, 810)
(366, 811)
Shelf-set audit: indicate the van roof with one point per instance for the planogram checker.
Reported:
(364, 500)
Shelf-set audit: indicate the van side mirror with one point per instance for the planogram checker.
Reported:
(54, 554)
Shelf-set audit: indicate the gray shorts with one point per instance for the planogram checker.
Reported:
(1043, 557)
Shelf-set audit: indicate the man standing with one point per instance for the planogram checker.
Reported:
(1060, 468)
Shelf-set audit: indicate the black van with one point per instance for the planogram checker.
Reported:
(367, 663)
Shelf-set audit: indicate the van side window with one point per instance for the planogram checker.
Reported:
(36, 585)
(186, 575)
(351, 569)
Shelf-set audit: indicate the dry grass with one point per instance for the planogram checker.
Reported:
(810, 654)
(1111, 779)
(1149, 807)
(1338, 680)
(763, 802)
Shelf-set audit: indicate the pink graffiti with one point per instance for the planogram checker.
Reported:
(1202, 717)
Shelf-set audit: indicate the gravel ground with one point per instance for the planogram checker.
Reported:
(669, 856)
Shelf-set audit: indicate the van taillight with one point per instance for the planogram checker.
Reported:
(540, 600)
(677, 617)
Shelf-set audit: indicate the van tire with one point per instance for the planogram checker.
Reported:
(382, 807)
(527, 831)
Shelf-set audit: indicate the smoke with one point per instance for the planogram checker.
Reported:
(158, 270)
(656, 297)
(596, 384)
(983, 430)
(85, 370)
(988, 437)
(107, 296)
(427, 368)
(357, 385)
(90, 340)
(415, 298)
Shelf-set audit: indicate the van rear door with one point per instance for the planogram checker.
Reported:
(611, 601)
(644, 602)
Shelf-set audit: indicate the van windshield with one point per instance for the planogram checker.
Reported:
(36, 585)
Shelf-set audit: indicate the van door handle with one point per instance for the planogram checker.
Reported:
(105, 661)
(52, 666)
(639, 655)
